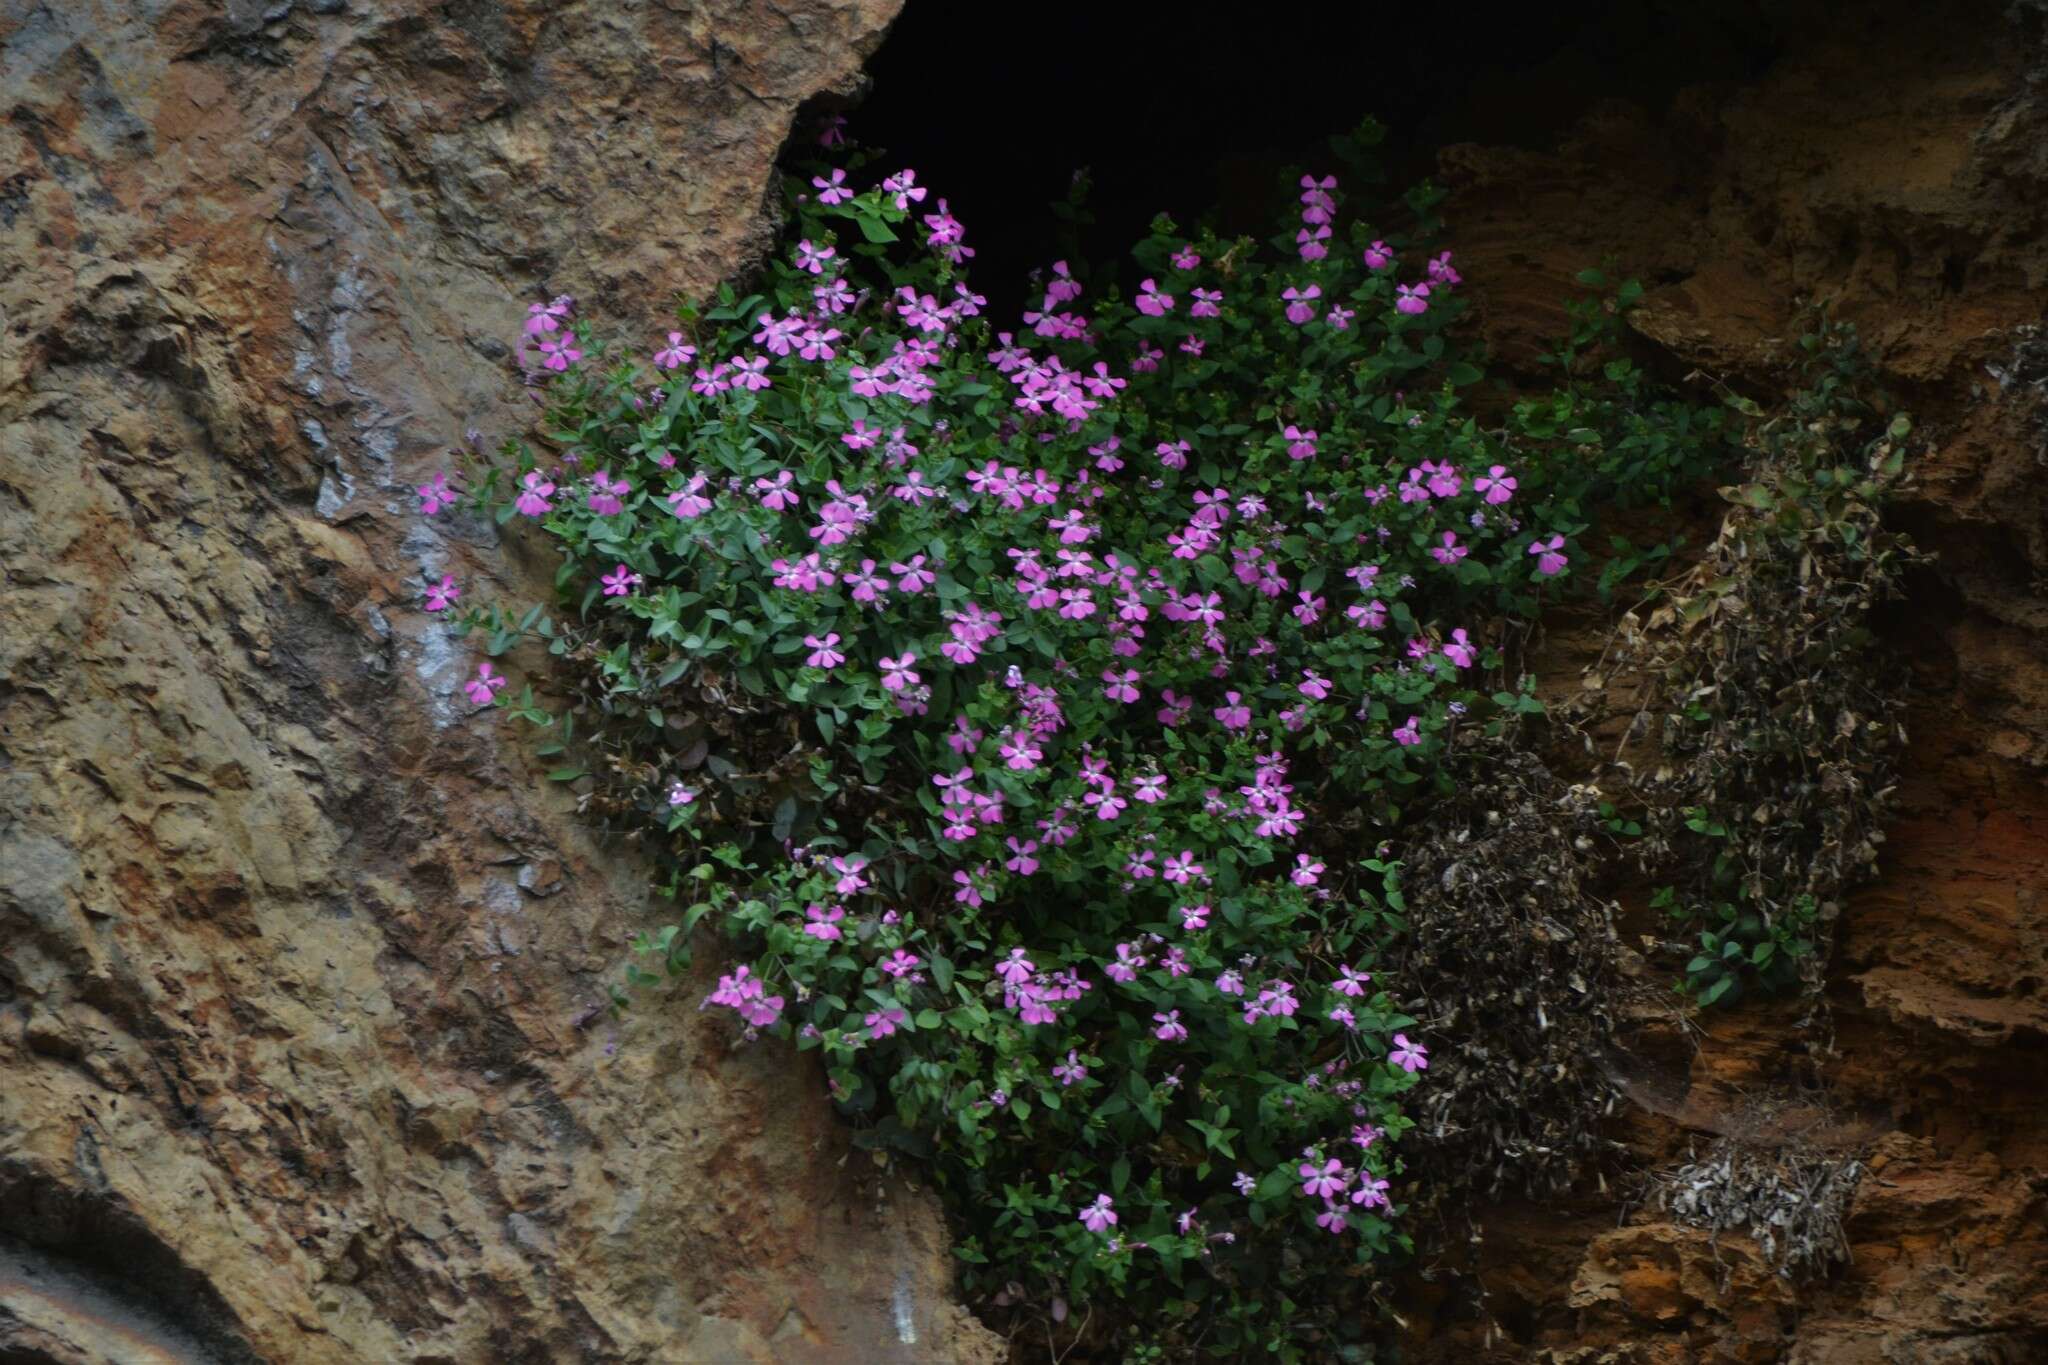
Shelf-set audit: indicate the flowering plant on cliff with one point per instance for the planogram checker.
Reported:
(1027, 699)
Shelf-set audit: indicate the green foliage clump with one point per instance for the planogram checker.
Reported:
(1029, 710)
(1776, 720)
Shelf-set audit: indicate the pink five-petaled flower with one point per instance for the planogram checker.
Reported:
(1069, 1072)
(1301, 308)
(1371, 1192)
(884, 1022)
(1459, 649)
(1186, 259)
(1450, 552)
(676, 354)
(824, 652)
(897, 673)
(904, 187)
(1100, 1215)
(1313, 686)
(1339, 318)
(558, 353)
(441, 594)
(1301, 444)
(1324, 1183)
(605, 495)
(813, 258)
(1496, 483)
(1408, 1056)
(823, 923)
(1233, 714)
(900, 964)
(679, 795)
(1378, 256)
(436, 495)
(1409, 733)
(1171, 1029)
(1194, 917)
(484, 685)
(832, 191)
(1122, 686)
(533, 500)
(1331, 1219)
(1411, 300)
(620, 582)
(776, 494)
(1349, 982)
(1151, 302)
(1208, 303)
(1307, 871)
(1551, 554)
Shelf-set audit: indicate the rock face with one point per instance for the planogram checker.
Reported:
(1900, 169)
(301, 1049)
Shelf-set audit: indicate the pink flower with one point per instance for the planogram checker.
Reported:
(881, 1023)
(1378, 256)
(1349, 982)
(1307, 871)
(823, 923)
(1186, 259)
(1301, 445)
(1441, 273)
(688, 502)
(852, 873)
(484, 685)
(1371, 1192)
(1233, 714)
(533, 501)
(1182, 868)
(443, 593)
(436, 496)
(1324, 1183)
(1193, 917)
(897, 673)
(832, 191)
(1171, 1029)
(813, 258)
(1409, 733)
(1313, 245)
(680, 795)
(1411, 301)
(1070, 1072)
(751, 372)
(1496, 483)
(1099, 1215)
(904, 187)
(558, 353)
(1408, 1056)
(620, 582)
(1301, 303)
(1151, 302)
(1122, 686)
(1450, 552)
(1313, 686)
(676, 354)
(824, 653)
(1208, 303)
(776, 493)
(1551, 557)
(1459, 650)
(605, 495)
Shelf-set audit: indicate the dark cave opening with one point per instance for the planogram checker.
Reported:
(1191, 111)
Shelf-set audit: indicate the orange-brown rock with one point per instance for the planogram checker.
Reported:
(1891, 162)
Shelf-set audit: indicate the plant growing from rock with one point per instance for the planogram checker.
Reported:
(1025, 703)
(1776, 723)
